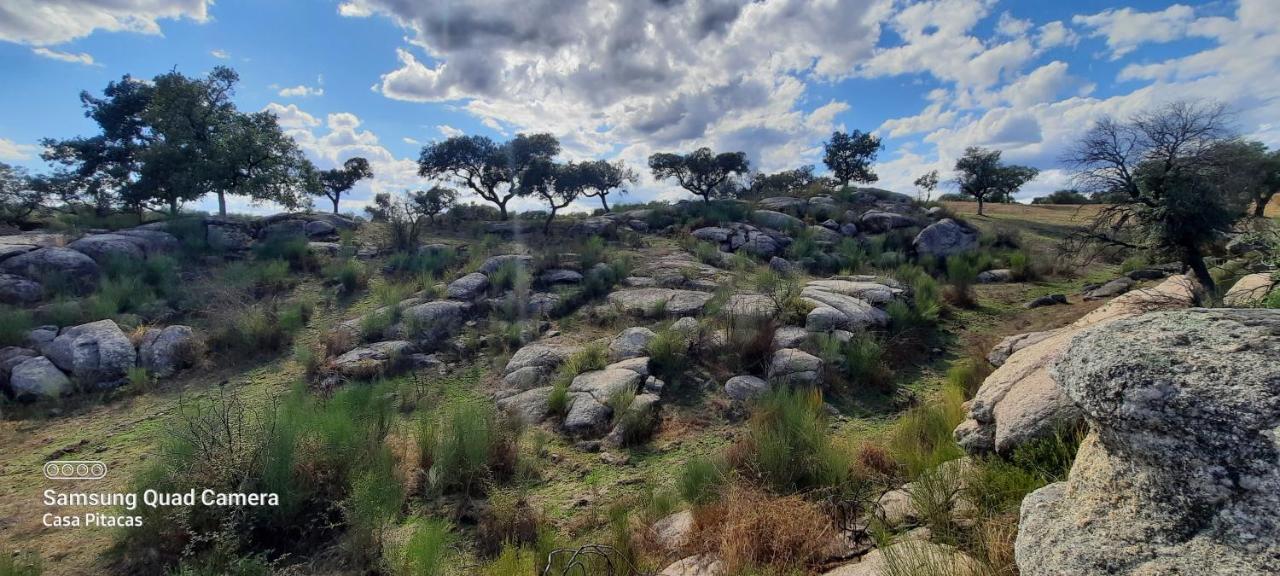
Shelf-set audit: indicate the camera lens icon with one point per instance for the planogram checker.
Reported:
(75, 470)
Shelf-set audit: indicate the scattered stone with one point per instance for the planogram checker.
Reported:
(559, 276)
(830, 224)
(1180, 473)
(530, 406)
(745, 388)
(1001, 352)
(659, 302)
(495, 262)
(37, 378)
(373, 359)
(849, 229)
(164, 351)
(703, 565)
(792, 366)
(468, 288)
(96, 352)
(1113, 288)
(997, 276)
(1046, 300)
(433, 322)
(782, 265)
(1250, 290)
(672, 532)
(944, 238)
(786, 204)
(630, 343)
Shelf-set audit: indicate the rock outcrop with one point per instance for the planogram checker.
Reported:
(43, 263)
(1020, 401)
(659, 302)
(1180, 473)
(95, 352)
(945, 238)
(164, 351)
(1250, 290)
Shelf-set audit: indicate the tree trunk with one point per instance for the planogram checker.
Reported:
(173, 207)
(546, 226)
(502, 209)
(1196, 261)
(1260, 207)
(979, 205)
(335, 204)
(605, 202)
(222, 203)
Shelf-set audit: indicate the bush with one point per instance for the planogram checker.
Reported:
(701, 480)
(347, 274)
(860, 361)
(921, 439)
(427, 551)
(558, 399)
(968, 374)
(1021, 267)
(290, 248)
(962, 272)
(465, 445)
(754, 532)
(259, 329)
(434, 261)
(509, 520)
(376, 496)
(668, 354)
(786, 447)
(14, 325)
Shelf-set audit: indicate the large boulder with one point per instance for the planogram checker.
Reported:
(750, 307)
(659, 302)
(1020, 401)
(1006, 347)
(8, 251)
(945, 238)
(468, 288)
(228, 234)
(153, 242)
(37, 378)
(164, 351)
(530, 406)
(19, 290)
(101, 247)
(776, 220)
(1113, 288)
(630, 343)
(792, 366)
(530, 366)
(67, 264)
(745, 388)
(1250, 290)
(432, 322)
(495, 262)
(373, 359)
(590, 397)
(95, 352)
(834, 310)
(788, 204)
(824, 236)
(878, 292)
(882, 221)
(1180, 473)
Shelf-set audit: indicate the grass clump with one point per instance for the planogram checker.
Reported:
(701, 480)
(14, 325)
(465, 446)
(668, 354)
(260, 328)
(786, 447)
(921, 439)
(348, 275)
(753, 532)
(427, 551)
(21, 564)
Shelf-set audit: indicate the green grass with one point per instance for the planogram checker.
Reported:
(14, 325)
(701, 480)
(21, 564)
(921, 438)
(464, 446)
(787, 447)
(428, 550)
(348, 275)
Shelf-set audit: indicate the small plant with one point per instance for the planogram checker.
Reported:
(962, 273)
(376, 496)
(668, 354)
(701, 480)
(348, 275)
(921, 439)
(558, 399)
(1021, 267)
(139, 378)
(465, 445)
(23, 564)
(787, 447)
(427, 551)
(14, 325)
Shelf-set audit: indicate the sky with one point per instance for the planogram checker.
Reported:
(622, 79)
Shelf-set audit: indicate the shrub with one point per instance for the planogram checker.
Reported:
(258, 329)
(510, 275)
(558, 399)
(968, 374)
(376, 496)
(753, 532)
(701, 480)
(290, 248)
(428, 549)
(592, 252)
(1021, 268)
(786, 447)
(1050, 458)
(921, 439)
(139, 378)
(668, 354)
(748, 341)
(465, 445)
(1136, 262)
(962, 272)
(509, 520)
(14, 325)
(433, 260)
(348, 275)
(860, 360)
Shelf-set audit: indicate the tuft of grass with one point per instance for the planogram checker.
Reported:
(701, 480)
(348, 274)
(753, 532)
(921, 439)
(428, 551)
(668, 354)
(20, 564)
(139, 378)
(374, 501)
(464, 446)
(558, 399)
(787, 447)
(14, 325)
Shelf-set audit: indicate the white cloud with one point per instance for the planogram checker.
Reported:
(1012, 27)
(290, 116)
(1126, 29)
(220, 54)
(50, 22)
(1056, 34)
(449, 131)
(75, 58)
(411, 141)
(301, 91)
(13, 151)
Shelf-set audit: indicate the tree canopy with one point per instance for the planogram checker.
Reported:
(849, 156)
(335, 182)
(599, 178)
(701, 172)
(492, 171)
(981, 175)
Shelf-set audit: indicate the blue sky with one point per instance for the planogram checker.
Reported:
(616, 79)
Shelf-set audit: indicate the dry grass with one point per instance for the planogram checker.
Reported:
(750, 529)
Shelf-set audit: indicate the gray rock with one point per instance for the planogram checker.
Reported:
(881, 221)
(867, 194)
(789, 337)
(11, 356)
(1046, 300)
(1181, 471)
(997, 276)
(19, 290)
(639, 365)
(776, 220)
(319, 229)
(552, 277)
(587, 416)
(544, 355)
(944, 238)
(1113, 288)
(66, 263)
(849, 229)
(786, 204)
(325, 248)
(659, 302)
(830, 224)
(103, 246)
(835, 311)
(374, 359)
(494, 263)
(468, 288)
(153, 242)
(782, 265)
(164, 351)
(594, 226)
(745, 388)
(911, 556)
(672, 532)
(432, 322)
(40, 337)
(96, 352)
(823, 236)
(1250, 290)
(713, 234)
(525, 378)
(227, 234)
(687, 327)
(530, 406)
(630, 343)
(750, 307)
(37, 378)
(542, 304)
(1002, 351)
(874, 291)
(701, 565)
(792, 366)
(641, 412)
(10, 250)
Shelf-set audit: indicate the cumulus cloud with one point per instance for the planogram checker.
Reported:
(1126, 29)
(50, 22)
(301, 91)
(220, 54)
(730, 74)
(73, 57)
(290, 116)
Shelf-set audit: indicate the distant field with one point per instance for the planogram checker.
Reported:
(1047, 225)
